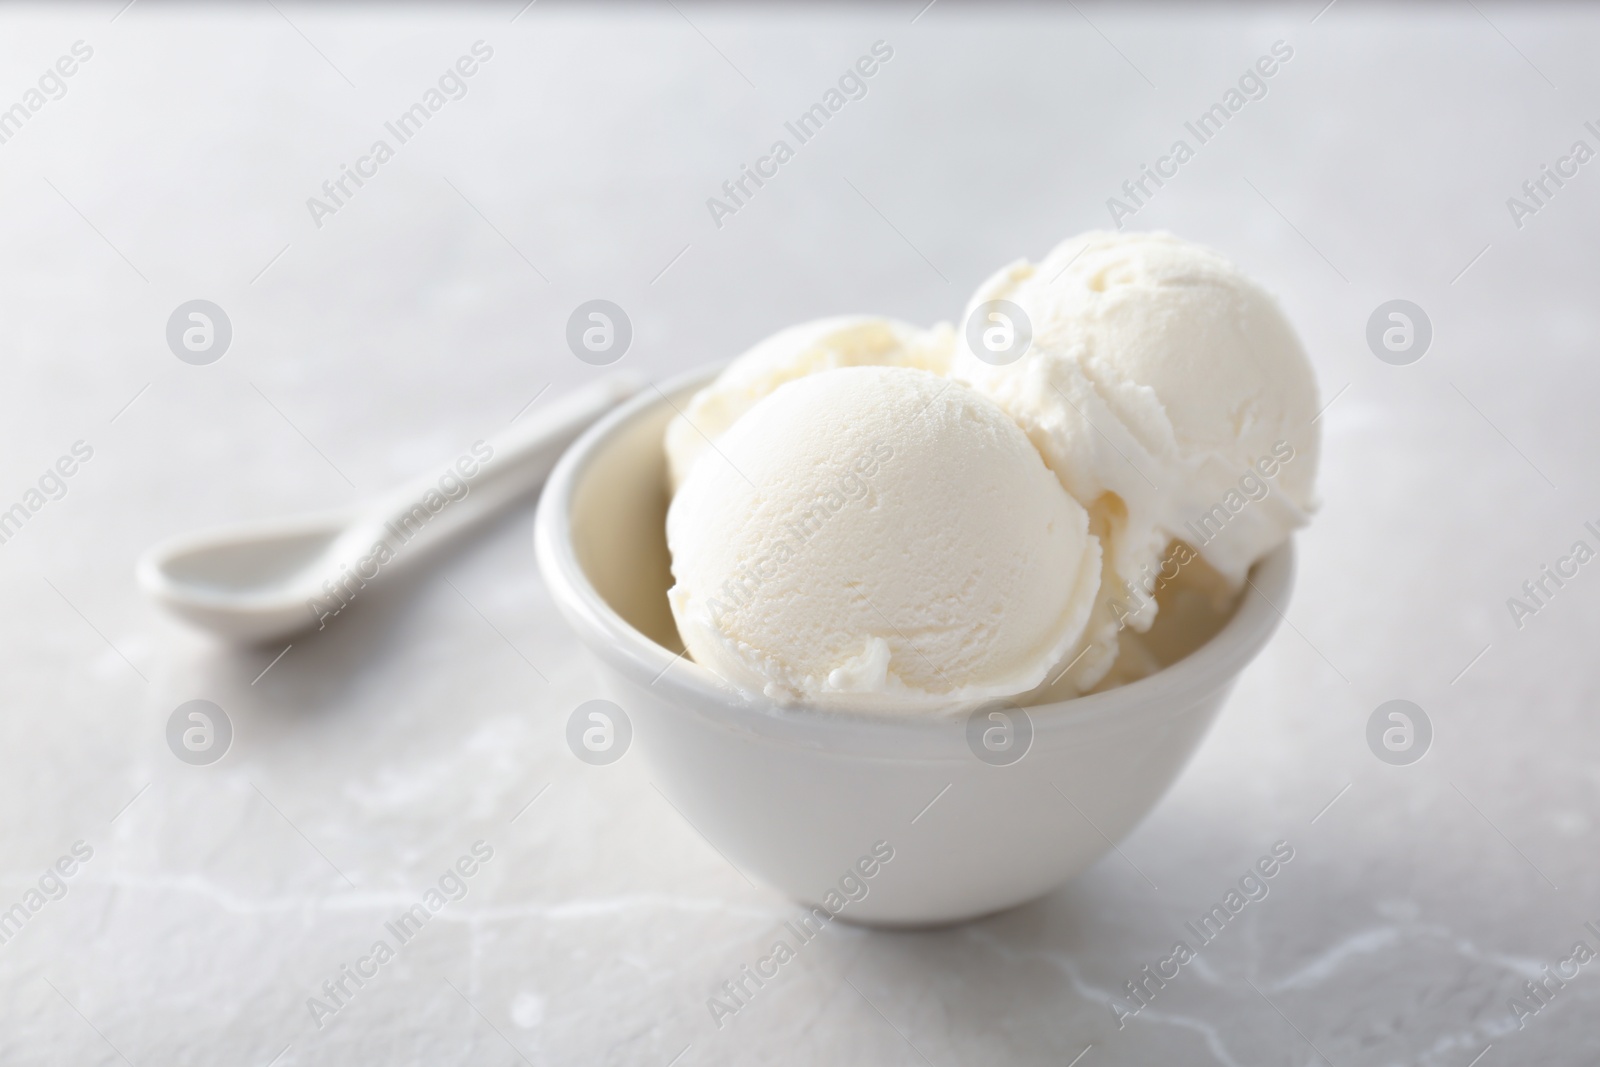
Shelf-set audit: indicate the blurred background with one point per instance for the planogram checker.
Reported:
(380, 334)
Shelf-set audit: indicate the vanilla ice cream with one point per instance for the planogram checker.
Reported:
(878, 538)
(810, 348)
(874, 516)
(1171, 397)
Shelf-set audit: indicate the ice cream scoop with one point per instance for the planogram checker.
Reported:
(810, 348)
(1170, 395)
(878, 538)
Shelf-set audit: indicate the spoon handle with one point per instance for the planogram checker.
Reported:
(438, 505)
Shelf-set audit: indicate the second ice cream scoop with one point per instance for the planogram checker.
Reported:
(1171, 396)
(797, 352)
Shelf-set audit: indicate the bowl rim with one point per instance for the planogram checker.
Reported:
(1152, 701)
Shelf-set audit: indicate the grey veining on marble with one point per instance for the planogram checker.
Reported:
(431, 307)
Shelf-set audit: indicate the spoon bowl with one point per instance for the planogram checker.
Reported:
(264, 581)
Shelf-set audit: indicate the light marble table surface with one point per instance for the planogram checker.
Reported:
(430, 308)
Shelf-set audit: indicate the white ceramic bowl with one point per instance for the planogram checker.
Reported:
(797, 797)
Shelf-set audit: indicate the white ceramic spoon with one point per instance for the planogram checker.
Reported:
(269, 580)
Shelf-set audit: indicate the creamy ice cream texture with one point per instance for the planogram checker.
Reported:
(1031, 519)
(1170, 395)
(879, 537)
